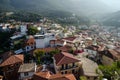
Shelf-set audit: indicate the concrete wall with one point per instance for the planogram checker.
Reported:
(22, 76)
(91, 51)
(70, 68)
(106, 60)
(40, 43)
(29, 48)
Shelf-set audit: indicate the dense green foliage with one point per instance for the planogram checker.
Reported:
(83, 78)
(32, 30)
(111, 72)
(52, 53)
(4, 40)
(39, 55)
(20, 16)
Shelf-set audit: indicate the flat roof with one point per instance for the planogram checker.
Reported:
(16, 36)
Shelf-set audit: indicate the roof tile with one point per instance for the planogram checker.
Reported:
(12, 60)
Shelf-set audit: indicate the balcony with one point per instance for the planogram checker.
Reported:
(69, 67)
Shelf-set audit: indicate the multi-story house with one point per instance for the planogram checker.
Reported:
(17, 42)
(70, 40)
(11, 65)
(55, 43)
(43, 41)
(27, 70)
(66, 63)
(46, 75)
(109, 56)
(23, 29)
(29, 44)
(92, 50)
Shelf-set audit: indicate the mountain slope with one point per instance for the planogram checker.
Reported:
(112, 19)
(74, 6)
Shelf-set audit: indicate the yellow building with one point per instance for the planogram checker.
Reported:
(66, 63)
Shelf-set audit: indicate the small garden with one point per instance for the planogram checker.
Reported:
(43, 57)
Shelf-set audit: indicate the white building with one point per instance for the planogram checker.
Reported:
(23, 29)
(30, 44)
(43, 41)
(93, 52)
(26, 71)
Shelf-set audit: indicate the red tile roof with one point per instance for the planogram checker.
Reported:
(64, 48)
(46, 75)
(64, 58)
(12, 60)
(5, 55)
(62, 77)
(30, 41)
(59, 41)
(114, 53)
(69, 38)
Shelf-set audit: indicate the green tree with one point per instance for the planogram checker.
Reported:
(111, 72)
(54, 52)
(83, 78)
(39, 54)
(32, 30)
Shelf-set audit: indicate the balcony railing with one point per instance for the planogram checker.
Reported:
(69, 67)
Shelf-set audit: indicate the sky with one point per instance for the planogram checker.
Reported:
(113, 3)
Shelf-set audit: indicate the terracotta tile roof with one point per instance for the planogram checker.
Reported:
(46, 75)
(43, 74)
(58, 41)
(62, 77)
(64, 58)
(117, 50)
(28, 67)
(5, 55)
(114, 53)
(92, 47)
(12, 60)
(69, 38)
(30, 40)
(70, 77)
(64, 48)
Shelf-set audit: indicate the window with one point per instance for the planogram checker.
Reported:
(17, 64)
(73, 71)
(27, 47)
(88, 77)
(26, 74)
(73, 64)
(27, 44)
(10, 68)
(32, 47)
(62, 66)
(66, 66)
(95, 78)
(65, 72)
(62, 72)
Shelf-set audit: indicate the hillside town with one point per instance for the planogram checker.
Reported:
(49, 51)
